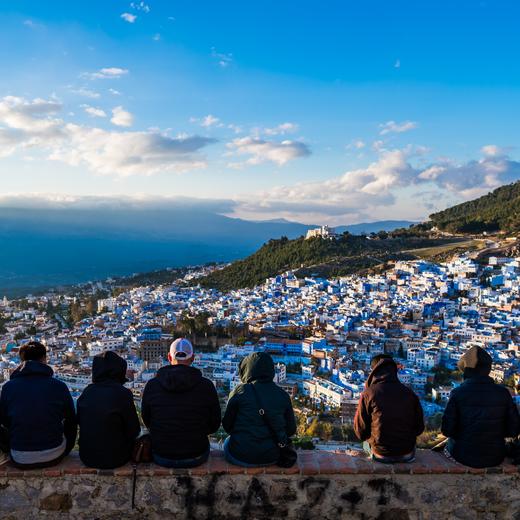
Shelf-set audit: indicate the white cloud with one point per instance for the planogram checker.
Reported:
(30, 122)
(209, 120)
(128, 17)
(223, 59)
(284, 128)
(121, 117)
(94, 112)
(397, 64)
(33, 123)
(236, 128)
(114, 92)
(349, 197)
(86, 93)
(366, 192)
(492, 150)
(156, 37)
(140, 6)
(261, 151)
(32, 24)
(473, 178)
(357, 144)
(394, 127)
(130, 153)
(106, 73)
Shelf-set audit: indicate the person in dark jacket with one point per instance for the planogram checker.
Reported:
(389, 415)
(108, 422)
(479, 415)
(38, 412)
(180, 408)
(250, 442)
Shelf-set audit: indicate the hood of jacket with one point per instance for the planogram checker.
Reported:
(258, 366)
(108, 366)
(475, 362)
(385, 370)
(178, 378)
(32, 368)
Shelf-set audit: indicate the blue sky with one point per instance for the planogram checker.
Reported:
(322, 112)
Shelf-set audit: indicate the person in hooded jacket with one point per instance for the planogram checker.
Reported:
(389, 415)
(38, 412)
(108, 421)
(250, 442)
(479, 415)
(180, 408)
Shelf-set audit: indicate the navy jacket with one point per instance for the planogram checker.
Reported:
(108, 422)
(479, 416)
(37, 409)
(180, 408)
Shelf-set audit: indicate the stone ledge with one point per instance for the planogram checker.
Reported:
(309, 463)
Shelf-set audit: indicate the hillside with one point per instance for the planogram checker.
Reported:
(345, 255)
(496, 211)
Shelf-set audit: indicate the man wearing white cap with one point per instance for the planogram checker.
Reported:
(180, 408)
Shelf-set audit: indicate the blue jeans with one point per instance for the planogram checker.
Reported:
(181, 463)
(388, 460)
(236, 462)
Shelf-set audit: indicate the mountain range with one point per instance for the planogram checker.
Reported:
(43, 247)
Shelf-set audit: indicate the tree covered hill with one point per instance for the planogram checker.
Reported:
(496, 211)
(345, 255)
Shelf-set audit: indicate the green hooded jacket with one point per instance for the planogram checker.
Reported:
(250, 439)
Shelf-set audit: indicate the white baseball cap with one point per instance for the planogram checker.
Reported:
(181, 348)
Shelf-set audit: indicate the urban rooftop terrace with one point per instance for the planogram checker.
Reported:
(321, 485)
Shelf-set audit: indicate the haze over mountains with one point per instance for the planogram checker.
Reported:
(47, 246)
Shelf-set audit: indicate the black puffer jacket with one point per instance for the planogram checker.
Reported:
(250, 439)
(108, 422)
(181, 408)
(479, 416)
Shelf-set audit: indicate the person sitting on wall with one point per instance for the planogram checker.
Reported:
(38, 412)
(479, 415)
(389, 415)
(108, 421)
(251, 442)
(180, 408)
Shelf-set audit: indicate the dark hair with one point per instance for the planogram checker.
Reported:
(33, 351)
(376, 359)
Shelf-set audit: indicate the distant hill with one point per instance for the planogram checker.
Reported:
(45, 247)
(375, 227)
(496, 211)
(364, 228)
(51, 247)
(344, 255)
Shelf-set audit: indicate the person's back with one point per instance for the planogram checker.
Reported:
(250, 441)
(180, 408)
(479, 415)
(107, 417)
(38, 411)
(389, 414)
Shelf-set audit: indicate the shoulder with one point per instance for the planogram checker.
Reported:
(207, 385)
(151, 385)
(239, 391)
(504, 391)
(59, 385)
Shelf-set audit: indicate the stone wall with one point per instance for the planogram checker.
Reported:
(322, 485)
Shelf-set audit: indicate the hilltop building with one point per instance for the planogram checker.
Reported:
(322, 231)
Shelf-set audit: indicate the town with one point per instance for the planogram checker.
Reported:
(321, 333)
